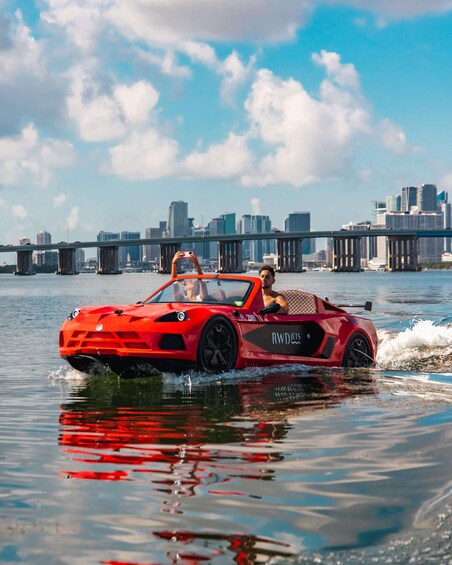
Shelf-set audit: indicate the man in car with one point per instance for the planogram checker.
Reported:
(270, 296)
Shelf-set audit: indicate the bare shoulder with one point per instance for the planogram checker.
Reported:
(275, 293)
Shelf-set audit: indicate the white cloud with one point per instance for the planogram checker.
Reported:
(22, 55)
(167, 63)
(73, 218)
(224, 160)
(82, 20)
(136, 101)
(256, 206)
(235, 73)
(2, 203)
(232, 69)
(27, 88)
(101, 116)
(143, 156)
(161, 24)
(391, 136)
(59, 200)
(344, 75)
(19, 212)
(312, 139)
(25, 159)
(169, 66)
(309, 137)
(173, 21)
(201, 53)
(397, 9)
(301, 139)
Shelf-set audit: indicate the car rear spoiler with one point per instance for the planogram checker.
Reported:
(366, 306)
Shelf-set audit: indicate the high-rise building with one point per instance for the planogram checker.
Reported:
(366, 248)
(178, 219)
(43, 238)
(445, 208)
(300, 221)
(378, 208)
(129, 254)
(255, 250)
(443, 197)
(409, 198)
(201, 248)
(152, 252)
(79, 258)
(430, 248)
(106, 236)
(229, 222)
(394, 203)
(427, 198)
(244, 226)
(45, 258)
(216, 227)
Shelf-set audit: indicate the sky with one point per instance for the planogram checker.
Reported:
(112, 109)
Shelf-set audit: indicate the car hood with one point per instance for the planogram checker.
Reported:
(126, 313)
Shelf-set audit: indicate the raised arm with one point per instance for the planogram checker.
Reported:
(178, 255)
(195, 262)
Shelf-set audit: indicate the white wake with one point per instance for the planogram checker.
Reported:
(424, 345)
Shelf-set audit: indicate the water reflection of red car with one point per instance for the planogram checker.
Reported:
(195, 447)
(138, 433)
(226, 328)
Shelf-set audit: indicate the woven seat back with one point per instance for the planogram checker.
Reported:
(300, 302)
(217, 294)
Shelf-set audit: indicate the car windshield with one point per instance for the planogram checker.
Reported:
(204, 290)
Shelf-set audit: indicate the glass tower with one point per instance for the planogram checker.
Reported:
(178, 219)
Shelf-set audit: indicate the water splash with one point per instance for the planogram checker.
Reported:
(67, 375)
(425, 346)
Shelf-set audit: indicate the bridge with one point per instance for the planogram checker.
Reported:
(402, 250)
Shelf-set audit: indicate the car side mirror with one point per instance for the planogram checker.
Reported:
(271, 308)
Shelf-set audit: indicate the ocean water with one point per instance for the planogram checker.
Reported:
(289, 464)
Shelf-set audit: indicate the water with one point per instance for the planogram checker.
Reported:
(288, 464)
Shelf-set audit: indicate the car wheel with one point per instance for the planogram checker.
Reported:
(358, 352)
(217, 347)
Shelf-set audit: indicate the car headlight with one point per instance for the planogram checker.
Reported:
(74, 314)
(174, 316)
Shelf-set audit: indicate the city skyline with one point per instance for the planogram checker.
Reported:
(107, 117)
(414, 208)
(179, 222)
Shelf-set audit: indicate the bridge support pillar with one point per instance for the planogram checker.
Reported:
(66, 262)
(230, 257)
(109, 260)
(403, 253)
(24, 266)
(167, 252)
(290, 257)
(346, 255)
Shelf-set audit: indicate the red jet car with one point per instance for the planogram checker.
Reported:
(227, 327)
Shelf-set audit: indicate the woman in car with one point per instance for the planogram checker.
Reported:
(191, 290)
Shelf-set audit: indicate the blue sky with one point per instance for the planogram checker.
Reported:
(111, 109)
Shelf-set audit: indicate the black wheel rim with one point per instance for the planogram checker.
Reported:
(358, 353)
(218, 348)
